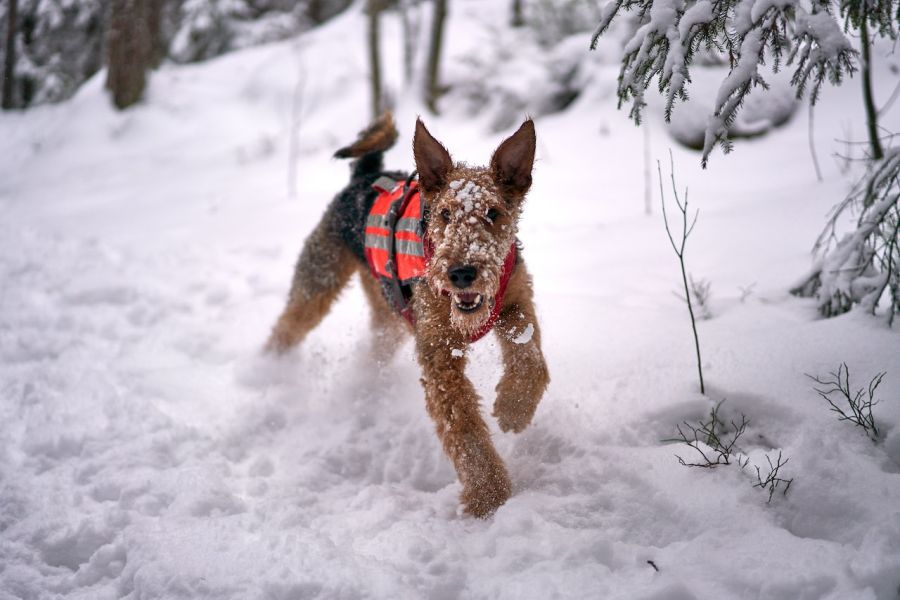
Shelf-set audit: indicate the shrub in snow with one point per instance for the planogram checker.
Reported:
(855, 407)
(772, 480)
(701, 290)
(862, 267)
(716, 444)
(670, 33)
(712, 440)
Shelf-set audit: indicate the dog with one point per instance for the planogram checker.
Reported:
(473, 279)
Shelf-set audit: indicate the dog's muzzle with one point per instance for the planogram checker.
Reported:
(467, 301)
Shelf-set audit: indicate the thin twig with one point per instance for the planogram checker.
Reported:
(772, 481)
(859, 408)
(812, 145)
(679, 251)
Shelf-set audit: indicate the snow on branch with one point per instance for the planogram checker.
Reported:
(863, 266)
(747, 32)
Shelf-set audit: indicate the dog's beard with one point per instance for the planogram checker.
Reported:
(470, 307)
(470, 310)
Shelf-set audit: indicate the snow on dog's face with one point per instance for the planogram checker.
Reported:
(474, 214)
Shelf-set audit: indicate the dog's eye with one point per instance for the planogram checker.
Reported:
(492, 214)
(445, 215)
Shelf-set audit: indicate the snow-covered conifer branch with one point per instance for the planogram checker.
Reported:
(865, 263)
(804, 34)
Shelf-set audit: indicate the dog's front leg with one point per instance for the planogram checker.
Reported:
(525, 376)
(453, 405)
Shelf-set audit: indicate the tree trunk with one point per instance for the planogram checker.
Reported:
(432, 81)
(410, 31)
(9, 68)
(518, 20)
(314, 11)
(154, 19)
(132, 48)
(374, 10)
(868, 101)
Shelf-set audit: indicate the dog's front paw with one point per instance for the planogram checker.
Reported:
(517, 401)
(486, 493)
(514, 413)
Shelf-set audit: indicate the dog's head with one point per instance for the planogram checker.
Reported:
(474, 213)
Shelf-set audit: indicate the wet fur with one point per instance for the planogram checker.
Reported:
(462, 235)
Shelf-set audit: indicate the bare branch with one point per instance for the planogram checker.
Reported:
(836, 392)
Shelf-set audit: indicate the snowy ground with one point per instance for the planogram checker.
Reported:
(147, 450)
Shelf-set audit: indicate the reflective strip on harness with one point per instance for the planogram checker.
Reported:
(409, 224)
(377, 241)
(409, 247)
(380, 221)
(384, 184)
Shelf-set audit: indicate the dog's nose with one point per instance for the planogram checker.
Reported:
(462, 277)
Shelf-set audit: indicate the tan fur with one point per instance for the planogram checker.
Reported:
(378, 136)
(460, 200)
(323, 269)
(388, 328)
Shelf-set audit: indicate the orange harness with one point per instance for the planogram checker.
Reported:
(398, 251)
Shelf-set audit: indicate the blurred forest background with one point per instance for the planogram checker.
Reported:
(722, 49)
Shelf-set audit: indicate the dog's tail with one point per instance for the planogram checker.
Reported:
(370, 145)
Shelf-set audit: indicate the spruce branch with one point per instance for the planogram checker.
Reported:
(862, 266)
(806, 35)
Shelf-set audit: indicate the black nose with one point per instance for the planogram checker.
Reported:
(462, 277)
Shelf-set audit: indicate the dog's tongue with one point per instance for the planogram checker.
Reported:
(467, 297)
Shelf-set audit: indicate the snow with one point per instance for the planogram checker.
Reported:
(148, 449)
(525, 336)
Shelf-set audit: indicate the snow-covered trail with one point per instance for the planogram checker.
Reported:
(147, 449)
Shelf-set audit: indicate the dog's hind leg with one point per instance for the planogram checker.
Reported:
(388, 328)
(323, 269)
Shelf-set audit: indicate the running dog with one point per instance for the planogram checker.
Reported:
(465, 275)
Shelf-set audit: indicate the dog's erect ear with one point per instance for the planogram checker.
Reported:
(432, 160)
(513, 160)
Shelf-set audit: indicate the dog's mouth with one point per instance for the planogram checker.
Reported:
(467, 302)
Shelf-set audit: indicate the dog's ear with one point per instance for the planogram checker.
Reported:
(513, 160)
(432, 160)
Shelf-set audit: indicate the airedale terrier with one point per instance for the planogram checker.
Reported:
(473, 278)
